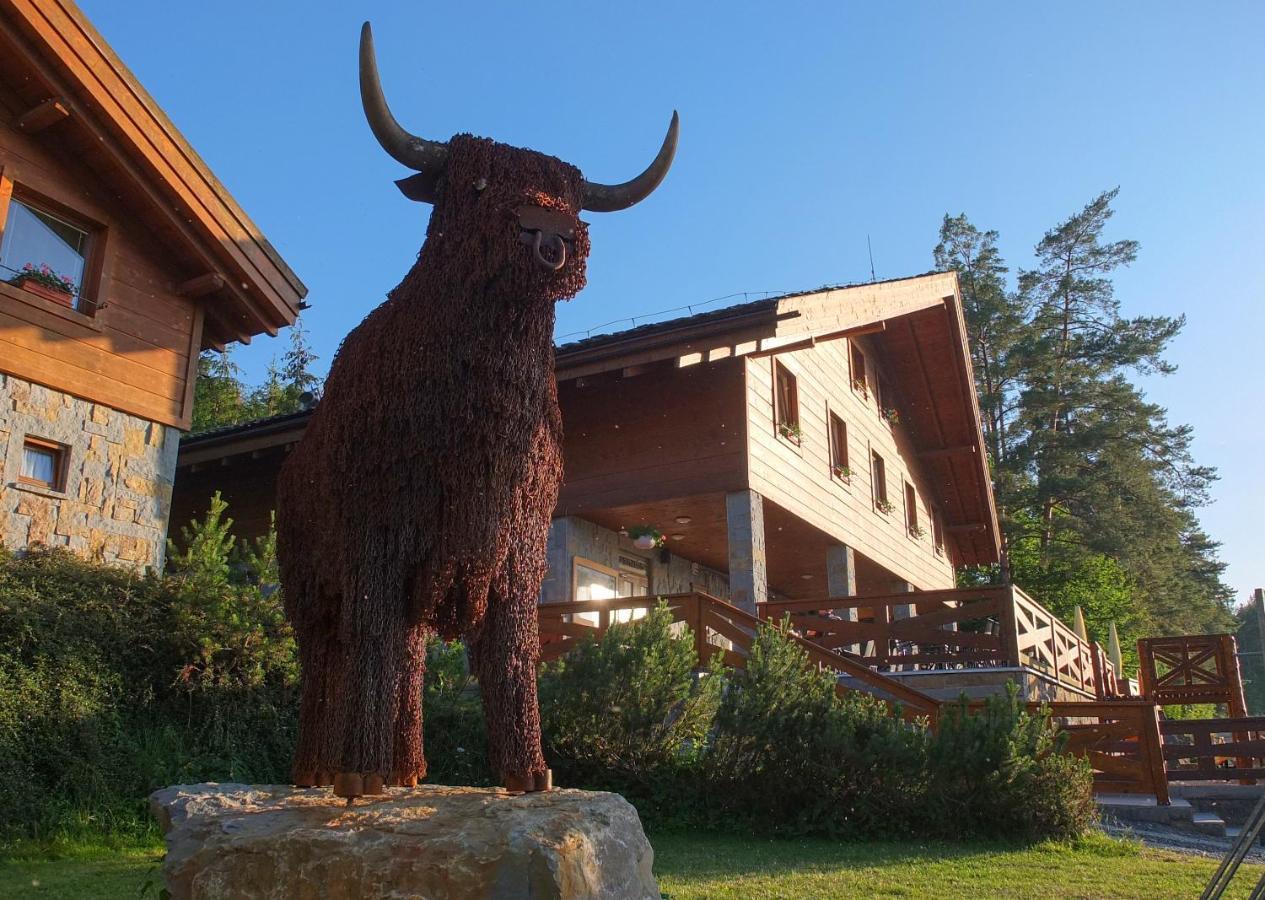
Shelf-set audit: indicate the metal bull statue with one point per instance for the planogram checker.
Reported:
(419, 500)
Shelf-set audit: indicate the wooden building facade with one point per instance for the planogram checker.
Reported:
(121, 258)
(821, 444)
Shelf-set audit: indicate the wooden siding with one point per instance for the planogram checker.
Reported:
(799, 479)
(138, 353)
(664, 433)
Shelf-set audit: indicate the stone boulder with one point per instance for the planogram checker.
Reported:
(267, 841)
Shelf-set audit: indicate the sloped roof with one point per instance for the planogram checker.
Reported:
(118, 130)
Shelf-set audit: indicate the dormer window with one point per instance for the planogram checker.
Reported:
(44, 253)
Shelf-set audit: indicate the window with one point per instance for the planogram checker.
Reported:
(38, 239)
(43, 464)
(785, 403)
(878, 474)
(856, 361)
(839, 448)
(592, 581)
(911, 511)
(937, 533)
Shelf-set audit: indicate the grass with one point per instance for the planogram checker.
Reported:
(717, 866)
(724, 866)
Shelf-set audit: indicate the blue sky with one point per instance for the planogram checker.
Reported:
(805, 128)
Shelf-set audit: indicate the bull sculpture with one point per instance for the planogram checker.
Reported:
(419, 500)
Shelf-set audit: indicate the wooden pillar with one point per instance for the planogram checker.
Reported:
(748, 568)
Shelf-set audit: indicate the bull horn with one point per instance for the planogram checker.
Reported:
(613, 197)
(427, 157)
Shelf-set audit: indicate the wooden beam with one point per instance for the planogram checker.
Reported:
(968, 528)
(813, 340)
(209, 283)
(942, 452)
(37, 118)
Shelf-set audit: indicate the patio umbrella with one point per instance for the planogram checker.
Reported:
(1113, 649)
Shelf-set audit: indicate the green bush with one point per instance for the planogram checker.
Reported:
(997, 771)
(113, 684)
(452, 719)
(628, 713)
(789, 754)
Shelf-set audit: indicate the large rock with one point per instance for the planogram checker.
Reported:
(238, 840)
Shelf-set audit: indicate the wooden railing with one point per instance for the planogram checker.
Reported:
(952, 629)
(1192, 668)
(717, 627)
(1120, 738)
(1214, 749)
(1121, 741)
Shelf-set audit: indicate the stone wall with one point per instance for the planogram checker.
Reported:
(118, 481)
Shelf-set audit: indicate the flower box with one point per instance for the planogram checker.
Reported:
(65, 298)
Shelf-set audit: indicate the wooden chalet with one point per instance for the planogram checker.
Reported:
(148, 261)
(818, 445)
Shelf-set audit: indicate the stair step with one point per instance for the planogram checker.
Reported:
(1208, 823)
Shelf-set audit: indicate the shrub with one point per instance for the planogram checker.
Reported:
(628, 713)
(113, 684)
(789, 755)
(998, 772)
(454, 735)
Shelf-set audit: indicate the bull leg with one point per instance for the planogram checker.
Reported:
(318, 658)
(410, 764)
(503, 653)
(375, 661)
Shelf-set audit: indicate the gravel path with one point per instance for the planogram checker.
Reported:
(1164, 838)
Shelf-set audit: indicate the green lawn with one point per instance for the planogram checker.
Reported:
(715, 866)
(692, 866)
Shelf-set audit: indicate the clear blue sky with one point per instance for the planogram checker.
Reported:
(804, 128)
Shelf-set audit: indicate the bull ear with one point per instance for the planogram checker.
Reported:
(421, 187)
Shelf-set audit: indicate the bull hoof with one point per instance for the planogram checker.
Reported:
(323, 778)
(374, 784)
(529, 782)
(349, 785)
(305, 779)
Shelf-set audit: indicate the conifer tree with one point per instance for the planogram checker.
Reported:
(1097, 491)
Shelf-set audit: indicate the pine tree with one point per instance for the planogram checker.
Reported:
(296, 365)
(219, 397)
(1097, 491)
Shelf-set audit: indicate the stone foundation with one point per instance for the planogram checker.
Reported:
(117, 489)
(949, 685)
(236, 840)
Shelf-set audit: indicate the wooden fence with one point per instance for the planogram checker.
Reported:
(717, 627)
(1214, 749)
(1121, 741)
(1192, 668)
(952, 629)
